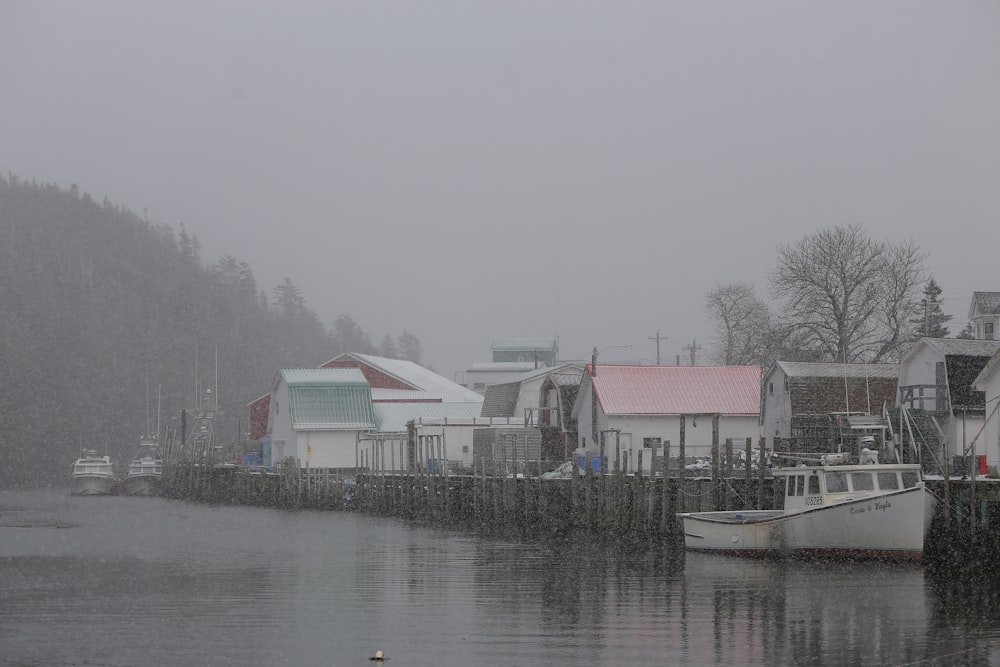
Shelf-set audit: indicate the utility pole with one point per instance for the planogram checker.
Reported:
(657, 338)
(693, 349)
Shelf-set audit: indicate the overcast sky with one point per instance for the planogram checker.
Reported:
(478, 170)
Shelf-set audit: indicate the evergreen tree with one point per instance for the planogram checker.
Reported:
(289, 299)
(969, 332)
(350, 337)
(932, 322)
(409, 347)
(388, 348)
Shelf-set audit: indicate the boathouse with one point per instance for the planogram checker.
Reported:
(628, 413)
(804, 405)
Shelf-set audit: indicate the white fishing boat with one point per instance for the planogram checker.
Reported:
(145, 471)
(93, 475)
(832, 508)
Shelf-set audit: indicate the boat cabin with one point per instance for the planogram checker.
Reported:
(806, 487)
(93, 466)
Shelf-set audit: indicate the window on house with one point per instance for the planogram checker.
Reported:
(770, 387)
(988, 330)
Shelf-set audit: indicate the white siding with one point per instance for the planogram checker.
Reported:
(919, 368)
(327, 448)
(777, 417)
(697, 436)
(989, 441)
(279, 421)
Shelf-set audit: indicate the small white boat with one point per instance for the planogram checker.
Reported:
(93, 475)
(145, 470)
(832, 509)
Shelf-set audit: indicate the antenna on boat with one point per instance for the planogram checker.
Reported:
(868, 392)
(158, 396)
(847, 397)
(147, 405)
(197, 387)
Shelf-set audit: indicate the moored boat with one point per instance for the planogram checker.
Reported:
(831, 509)
(93, 475)
(145, 471)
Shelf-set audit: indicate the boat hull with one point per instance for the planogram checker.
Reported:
(92, 485)
(887, 526)
(142, 485)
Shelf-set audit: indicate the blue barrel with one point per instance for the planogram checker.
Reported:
(265, 452)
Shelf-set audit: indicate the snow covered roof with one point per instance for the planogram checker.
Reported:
(807, 369)
(524, 344)
(416, 376)
(670, 390)
(503, 366)
(566, 369)
(301, 376)
(405, 396)
(984, 303)
(394, 416)
(963, 347)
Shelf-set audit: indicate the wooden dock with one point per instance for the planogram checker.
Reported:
(617, 508)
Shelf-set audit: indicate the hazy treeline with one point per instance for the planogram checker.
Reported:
(96, 303)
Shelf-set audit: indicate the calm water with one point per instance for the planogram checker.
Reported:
(147, 581)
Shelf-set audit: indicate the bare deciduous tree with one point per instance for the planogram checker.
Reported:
(848, 296)
(742, 325)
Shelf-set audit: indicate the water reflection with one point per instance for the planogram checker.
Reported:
(140, 581)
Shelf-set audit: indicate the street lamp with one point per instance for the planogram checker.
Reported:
(593, 390)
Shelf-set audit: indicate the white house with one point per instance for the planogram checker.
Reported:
(938, 376)
(317, 415)
(988, 382)
(984, 315)
(639, 407)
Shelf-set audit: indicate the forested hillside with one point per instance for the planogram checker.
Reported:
(96, 303)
